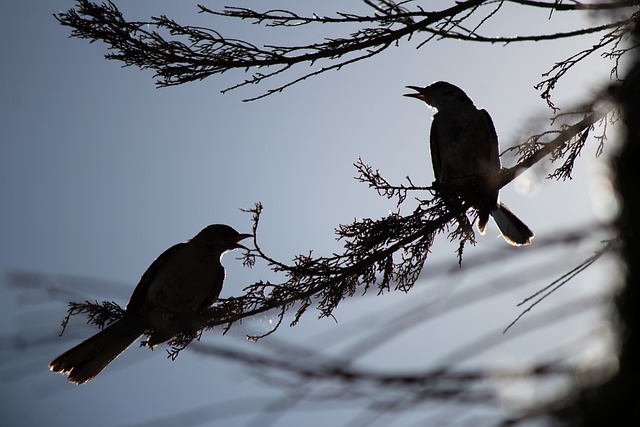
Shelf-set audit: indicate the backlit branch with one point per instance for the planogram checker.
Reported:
(181, 53)
(613, 39)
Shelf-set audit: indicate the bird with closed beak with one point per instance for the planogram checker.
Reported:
(465, 156)
(186, 279)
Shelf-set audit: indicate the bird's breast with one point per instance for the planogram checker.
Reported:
(186, 284)
(461, 141)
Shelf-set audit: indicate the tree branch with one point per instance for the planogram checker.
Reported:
(577, 5)
(190, 53)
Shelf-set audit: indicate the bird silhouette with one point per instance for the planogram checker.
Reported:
(465, 156)
(183, 280)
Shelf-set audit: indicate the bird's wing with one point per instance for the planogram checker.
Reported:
(217, 288)
(434, 146)
(491, 159)
(140, 292)
(493, 149)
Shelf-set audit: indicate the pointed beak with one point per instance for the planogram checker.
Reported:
(420, 95)
(236, 241)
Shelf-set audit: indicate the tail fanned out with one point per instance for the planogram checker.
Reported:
(513, 230)
(87, 359)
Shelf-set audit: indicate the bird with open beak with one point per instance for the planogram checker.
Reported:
(465, 156)
(186, 279)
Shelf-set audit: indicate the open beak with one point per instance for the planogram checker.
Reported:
(236, 241)
(418, 95)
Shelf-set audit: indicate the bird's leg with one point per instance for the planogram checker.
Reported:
(453, 196)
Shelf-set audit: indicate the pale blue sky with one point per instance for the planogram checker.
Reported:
(100, 172)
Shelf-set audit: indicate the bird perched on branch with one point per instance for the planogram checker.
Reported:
(465, 157)
(184, 280)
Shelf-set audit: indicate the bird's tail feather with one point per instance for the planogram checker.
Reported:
(84, 361)
(512, 228)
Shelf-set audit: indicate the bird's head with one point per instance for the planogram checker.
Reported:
(439, 95)
(222, 238)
